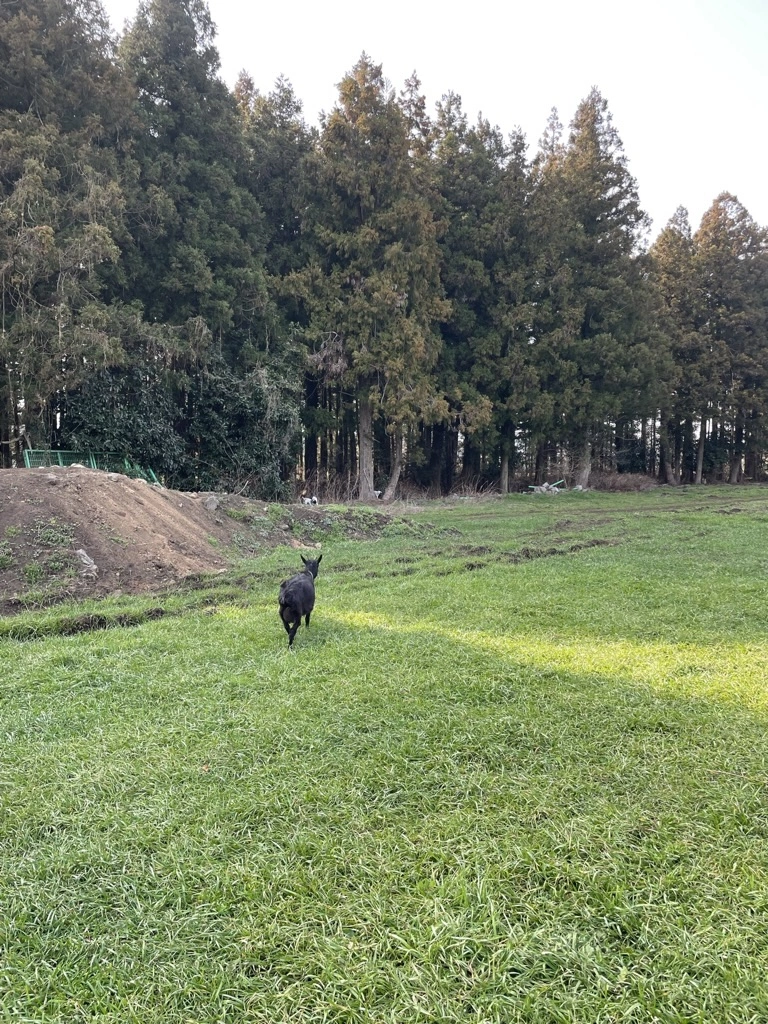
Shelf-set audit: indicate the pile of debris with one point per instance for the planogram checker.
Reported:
(546, 488)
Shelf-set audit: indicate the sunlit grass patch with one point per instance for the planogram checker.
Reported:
(723, 670)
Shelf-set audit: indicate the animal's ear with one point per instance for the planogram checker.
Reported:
(319, 559)
(303, 559)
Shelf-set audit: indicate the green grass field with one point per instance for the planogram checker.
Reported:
(517, 770)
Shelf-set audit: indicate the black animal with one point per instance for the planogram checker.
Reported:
(297, 597)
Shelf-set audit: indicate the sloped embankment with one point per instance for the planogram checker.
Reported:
(71, 532)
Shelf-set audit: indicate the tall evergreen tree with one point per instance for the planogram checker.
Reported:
(482, 182)
(373, 290)
(196, 252)
(278, 143)
(732, 263)
(699, 361)
(591, 344)
(513, 310)
(468, 164)
(197, 232)
(63, 111)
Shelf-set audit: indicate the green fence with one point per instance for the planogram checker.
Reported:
(37, 457)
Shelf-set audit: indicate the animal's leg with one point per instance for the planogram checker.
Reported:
(292, 632)
(306, 619)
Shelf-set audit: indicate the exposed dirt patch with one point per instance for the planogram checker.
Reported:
(526, 554)
(70, 532)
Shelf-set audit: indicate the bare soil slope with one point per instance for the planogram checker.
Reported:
(74, 533)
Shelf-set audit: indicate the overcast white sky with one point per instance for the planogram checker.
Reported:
(685, 80)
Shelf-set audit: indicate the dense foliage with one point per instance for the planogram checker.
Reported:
(193, 277)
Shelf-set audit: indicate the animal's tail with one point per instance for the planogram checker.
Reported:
(290, 605)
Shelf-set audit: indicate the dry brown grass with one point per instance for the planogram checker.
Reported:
(602, 481)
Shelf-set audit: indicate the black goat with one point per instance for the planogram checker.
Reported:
(297, 597)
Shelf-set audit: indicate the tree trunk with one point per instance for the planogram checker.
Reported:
(738, 445)
(719, 442)
(323, 473)
(310, 436)
(7, 447)
(541, 463)
(434, 447)
(583, 466)
(666, 466)
(644, 443)
(341, 446)
(397, 465)
(507, 454)
(752, 459)
(471, 466)
(450, 456)
(365, 440)
(382, 445)
(700, 450)
(688, 449)
(678, 453)
(668, 470)
(504, 474)
(620, 446)
(349, 419)
(653, 449)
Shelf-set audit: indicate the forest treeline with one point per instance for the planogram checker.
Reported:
(196, 278)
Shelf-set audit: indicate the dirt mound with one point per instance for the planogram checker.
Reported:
(72, 532)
